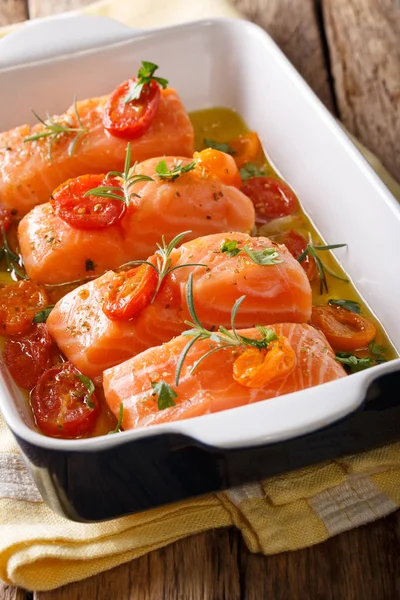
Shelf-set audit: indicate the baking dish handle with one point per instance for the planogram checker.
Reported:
(70, 32)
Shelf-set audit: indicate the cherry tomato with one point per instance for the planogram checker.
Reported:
(343, 329)
(130, 121)
(27, 357)
(19, 302)
(271, 197)
(88, 212)
(219, 165)
(62, 404)
(247, 149)
(257, 368)
(296, 244)
(130, 292)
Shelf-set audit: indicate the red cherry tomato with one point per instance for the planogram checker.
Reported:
(296, 245)
(62, 404)
(130, 121)
(88, 212)
(19, 302)
(271, 198)
(343, 329)
(130, 292)
(27, 357)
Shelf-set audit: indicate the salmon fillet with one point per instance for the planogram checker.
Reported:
(28, 177)
(54, 252)
(211, 388)
(93, 342)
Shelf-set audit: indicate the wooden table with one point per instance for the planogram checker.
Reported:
(349, 52)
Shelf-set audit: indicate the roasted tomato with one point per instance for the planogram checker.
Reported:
(88, 212)
(28, 356)
(296, 244)
(344, 330)
(63, 404)
(247, 148)
(219, 165)
(130, 292)
(19, 302)
(257, 368)
(271, 197)
(130, 120)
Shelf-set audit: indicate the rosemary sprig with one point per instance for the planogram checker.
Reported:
(12, 260)
(222, 337)
(43, 315)
(119, 422)
(350, 305)
(129, 178)
(89, 385)
(311, 250)
(163, 260)
(178, 169)
(144, 76)
(53, 130)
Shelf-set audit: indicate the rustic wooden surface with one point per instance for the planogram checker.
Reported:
(349, 52)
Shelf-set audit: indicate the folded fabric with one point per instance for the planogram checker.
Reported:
(40, 550)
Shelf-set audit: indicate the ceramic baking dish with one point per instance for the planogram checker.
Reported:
(234, 64)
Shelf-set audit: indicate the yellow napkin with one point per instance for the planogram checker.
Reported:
(40, 550)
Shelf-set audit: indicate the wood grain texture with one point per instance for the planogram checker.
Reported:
(12, 11)
(364, 43)
(43, 8)
(11, 593)
(294, 26)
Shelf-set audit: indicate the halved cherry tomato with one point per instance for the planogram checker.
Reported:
(271, 197)
(88, 212)
(219, 165)
(343, 329)
(19, 302)
(130, 121)
(62, 404)
(28, 356)
(247, 148)
(130, 292)
(296, 244)
(257, 368)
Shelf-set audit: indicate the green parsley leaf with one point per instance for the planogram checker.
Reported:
(354, 363)
(221, 146)
(89, 385)
(350, 305)
(144, 76)
(165, 393)
(42, 315)
(171, 174)
(230, 247)
(249, 170)
(268, 256)
(119, 422)
(377, 350)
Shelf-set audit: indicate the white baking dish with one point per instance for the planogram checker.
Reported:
(235, 64)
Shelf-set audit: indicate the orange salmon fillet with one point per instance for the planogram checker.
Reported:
(28, 177)
(54, 252)
(94, 343)
(211, 388)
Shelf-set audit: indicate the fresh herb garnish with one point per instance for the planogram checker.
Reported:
(90, 265)
(311, 250)
(223, 337)
(221, 146)
(119, 422)
(163, 260)
(249, 170)
(144, 76)
(89, 385)
(12, 260)
(42, 315)
(354, 364)
(264, 257)
(178, 169)
(350, 305)
(129, 178)
(378, 351)
(53, 130)
(166, 395)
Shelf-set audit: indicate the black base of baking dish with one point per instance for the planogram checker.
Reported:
(161, 469)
